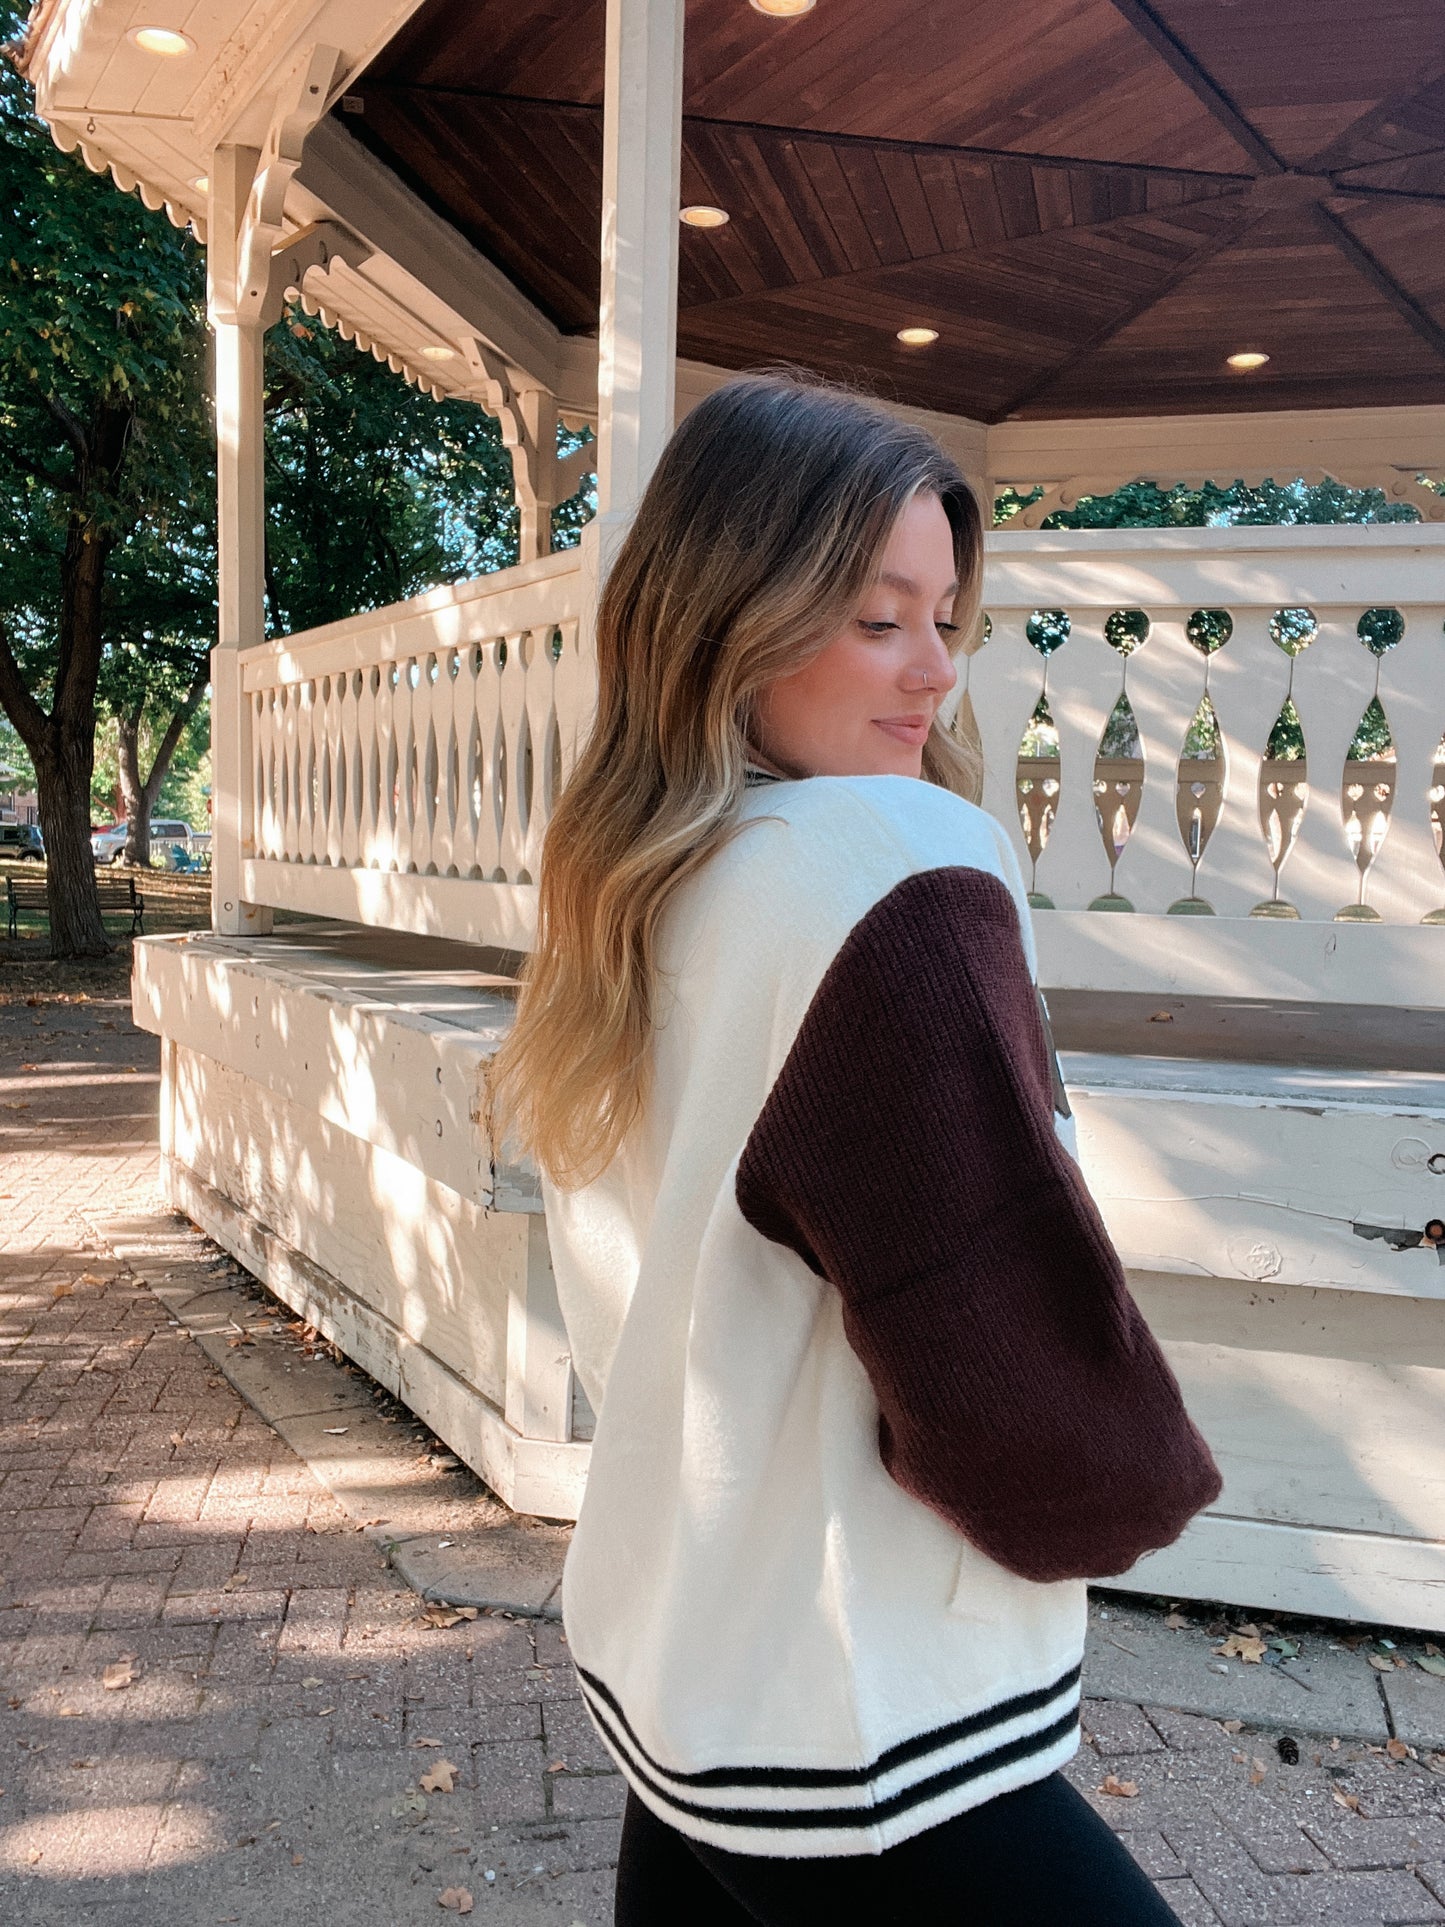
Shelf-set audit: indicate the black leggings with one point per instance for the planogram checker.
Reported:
(1040, 1857)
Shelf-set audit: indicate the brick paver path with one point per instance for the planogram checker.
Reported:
(263, 1765)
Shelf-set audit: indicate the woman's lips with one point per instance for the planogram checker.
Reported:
(912, 730)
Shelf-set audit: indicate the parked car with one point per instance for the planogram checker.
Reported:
(22, 842)
(108, 846)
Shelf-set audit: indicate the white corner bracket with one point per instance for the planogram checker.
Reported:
(248, 251)
(527, 416)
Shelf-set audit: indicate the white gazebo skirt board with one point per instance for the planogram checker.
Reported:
(319, 1101)
(1313, 1358)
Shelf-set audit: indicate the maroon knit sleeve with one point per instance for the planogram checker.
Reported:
(907, 1152)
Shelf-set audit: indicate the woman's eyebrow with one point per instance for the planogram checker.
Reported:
(907, 586)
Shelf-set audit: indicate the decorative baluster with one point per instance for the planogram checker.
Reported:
(1403, 884)
(349, 762)
(512, 707)
(491, 760)
(390, 732)
(369, 737)
(311, 748)
(407, 774)
(541, 722)
(576, 690)
(263, 758)
(291, 770)
(1003, 687)
(1073, 870)
(1283, 786)
(1118, 772)
(425, 702)
(1332, 685)
(332, 770)
(1248, 681)
(1164, 685)
(467, 815)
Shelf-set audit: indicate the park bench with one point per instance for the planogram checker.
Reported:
(117, 895)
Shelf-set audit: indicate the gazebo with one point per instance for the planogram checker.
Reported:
(1087, 242)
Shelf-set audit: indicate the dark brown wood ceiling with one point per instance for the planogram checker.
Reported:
(1094, 202)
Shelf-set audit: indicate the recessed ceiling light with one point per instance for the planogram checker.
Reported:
(704, 216)
(162, 40)
(782, 9)
(917, 337)
(435, 352)
(1247, 358)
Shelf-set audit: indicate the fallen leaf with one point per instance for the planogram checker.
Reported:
(1397, 1749)
(557, 1766)
(297, 1859)
(424, 1742)
(312, 1681)
(336, 1431)
(33, 1855)
(1176, 1622)
(1350, 1800)
(1162, 1017)
(1257, 1771)
(1232, 1726)
(1246, 1646)
(61, 1291)
(123, 1672)
(91, 1278)
(323, 1711)
(410, 1802)
(456, 1900)
(1119, 1789)
(434, 1614)
(1432, 1663)
(177, 1438)
(441, 1779)
(1381, 1662)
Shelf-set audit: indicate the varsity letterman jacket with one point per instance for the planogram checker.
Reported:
(873, 1399)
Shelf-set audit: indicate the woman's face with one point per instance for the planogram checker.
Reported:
(864, 704)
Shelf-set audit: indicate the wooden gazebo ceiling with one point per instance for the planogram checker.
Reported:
(1093, 201)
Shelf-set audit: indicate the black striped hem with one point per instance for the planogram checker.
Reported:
(878, 1808)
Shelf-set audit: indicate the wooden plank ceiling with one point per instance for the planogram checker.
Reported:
(1094, 202)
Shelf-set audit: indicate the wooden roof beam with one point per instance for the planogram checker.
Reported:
(1180, 62)
(1379, 276)
(1226, 238)
(375, 204)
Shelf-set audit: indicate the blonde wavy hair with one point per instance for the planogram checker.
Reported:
(754, 545)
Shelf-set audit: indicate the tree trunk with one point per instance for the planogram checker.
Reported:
(76, 929)
(135, 795)
(62, 744)
(63, 783)
(140, 796)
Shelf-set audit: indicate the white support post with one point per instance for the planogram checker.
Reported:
(637, 318)
(537, 486)
(240, 541)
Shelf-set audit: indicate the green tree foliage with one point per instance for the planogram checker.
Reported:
(107, 491)
(100, 392)
(1144, 505)
(374, 492)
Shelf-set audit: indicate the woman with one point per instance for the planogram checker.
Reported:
(873, 1398)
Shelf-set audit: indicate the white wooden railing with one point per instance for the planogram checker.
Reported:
(404, 763)
(1322, 839)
